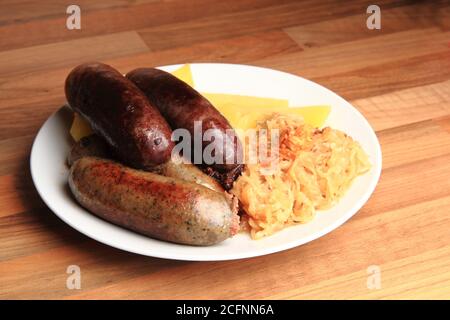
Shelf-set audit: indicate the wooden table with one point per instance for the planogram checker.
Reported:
(398, 77)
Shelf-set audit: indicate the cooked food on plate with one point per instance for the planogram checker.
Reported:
(125, 166)
(182, 106)
(161, 207)
(119, 112)
(94, 146)
(316, 167)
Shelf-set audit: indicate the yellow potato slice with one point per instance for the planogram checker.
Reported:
(80, 128)
(313, 115)
(246, 117)
(249, 103)
(243, 112)
(184, 73)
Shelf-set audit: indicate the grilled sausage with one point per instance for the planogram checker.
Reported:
(95, 146)
(160, 207)
(119, 112)
(182, 105)
(188, 172)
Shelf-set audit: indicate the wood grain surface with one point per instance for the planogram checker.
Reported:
(398, 77)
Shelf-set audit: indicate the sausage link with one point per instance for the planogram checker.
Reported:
(182, 105)
(119, 112)
(160, 207)
(188, 172)
(95, 146)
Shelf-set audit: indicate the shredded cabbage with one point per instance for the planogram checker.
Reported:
(316, 168)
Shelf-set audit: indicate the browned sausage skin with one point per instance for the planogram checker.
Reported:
(160, 207)
(188, 172)
(182, 105)
(119, 112)
(95, 146)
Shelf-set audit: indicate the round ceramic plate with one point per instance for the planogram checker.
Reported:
(52, 144)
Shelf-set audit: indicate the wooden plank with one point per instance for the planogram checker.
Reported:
(26, 10)
(36, 102)
(43, 275)
(411, 183)
(247, 22)
(406, 106)
(421, 276)
(443, 122)
(443, 15)
(29, 89)
(33, 232)
(32, 115)
(388, 77)
(17, 193)
(355, 55)
(69, 53)
(113, 20)
(417, 16)
(413, 142)
(241, 49)
(305, 63)
(362, 242)
(14, 154)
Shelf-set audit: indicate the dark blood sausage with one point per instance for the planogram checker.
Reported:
(181, 105)
(119, 112)
(160, 207)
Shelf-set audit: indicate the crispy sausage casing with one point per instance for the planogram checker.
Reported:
(119, 112)
(160, 207)
(95, 146)
(182, 105)
(187, 172)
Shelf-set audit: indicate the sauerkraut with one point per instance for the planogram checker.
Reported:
(315, 169)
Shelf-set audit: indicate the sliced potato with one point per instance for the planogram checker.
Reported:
(247, 118)
(80, 128)
(184, 73)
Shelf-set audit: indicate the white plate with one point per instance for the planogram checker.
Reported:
(49, 171)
